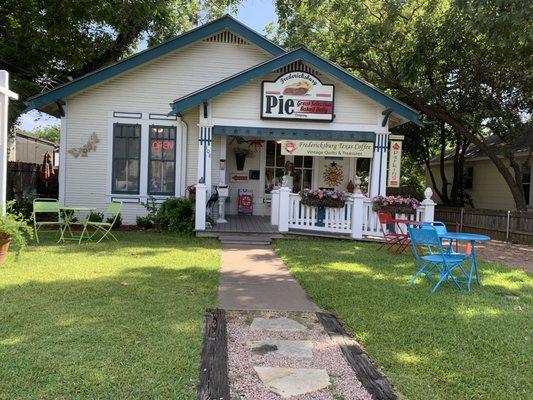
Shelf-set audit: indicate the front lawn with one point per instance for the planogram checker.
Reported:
(447, 345)
(106, 321)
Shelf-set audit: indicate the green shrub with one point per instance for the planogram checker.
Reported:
(14, 227)
(96, 216)
(118, 222)
(145, 222)
(173, 215)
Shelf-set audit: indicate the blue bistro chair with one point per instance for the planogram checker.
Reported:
(433, 260)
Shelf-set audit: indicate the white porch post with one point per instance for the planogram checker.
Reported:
(201, 199)
(378, 178)
(284, 212)
(222, 188)
(203, 188)
(274, 207)
(429, 206)
(357, 216)
(5, 95)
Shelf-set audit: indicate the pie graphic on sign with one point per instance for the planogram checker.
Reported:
(290, 147)
(298, 89)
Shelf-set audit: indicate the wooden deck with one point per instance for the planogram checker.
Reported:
(243, 224)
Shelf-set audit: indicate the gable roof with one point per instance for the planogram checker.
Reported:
(302, 54)
(226, 22)
(520, 147)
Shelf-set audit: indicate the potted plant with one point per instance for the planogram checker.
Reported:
(13, 229)
(395, 204)
(240, 157)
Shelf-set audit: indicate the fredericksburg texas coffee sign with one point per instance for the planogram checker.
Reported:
(297, 95)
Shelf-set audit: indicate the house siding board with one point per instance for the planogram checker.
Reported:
(489, 190)
(147, 89)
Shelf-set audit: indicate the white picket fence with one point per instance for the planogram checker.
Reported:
(334, 220)
(356, 218)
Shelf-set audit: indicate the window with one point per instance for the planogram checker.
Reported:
(468, 178)
(303, 173)
(126, 158)
(162, 170)
(526, 182)
(275, 165)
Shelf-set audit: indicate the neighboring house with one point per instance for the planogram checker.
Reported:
(23, 147)
(482, 181)
(176, 115)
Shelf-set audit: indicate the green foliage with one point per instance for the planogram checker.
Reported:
(42, 43)
(440, 346)
(97, 320)
(173, 215)
(118, 222)
(14, 227)
(50, 133)
(145, 222)
(95, 216)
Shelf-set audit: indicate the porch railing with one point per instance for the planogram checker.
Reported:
(356, 218)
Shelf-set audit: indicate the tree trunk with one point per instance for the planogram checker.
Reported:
(516, 190)
(443, 178)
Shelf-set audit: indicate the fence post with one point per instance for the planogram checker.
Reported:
(283, 219)
(201, 198)
(462, 217)
(357, 216)
(274, 207)
(429, 206)
(508, 225)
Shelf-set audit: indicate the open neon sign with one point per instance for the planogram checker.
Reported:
(163, 144)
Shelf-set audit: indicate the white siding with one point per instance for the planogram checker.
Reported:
(244, 103)
(148, 89)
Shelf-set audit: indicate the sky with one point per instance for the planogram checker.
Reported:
(254, 13)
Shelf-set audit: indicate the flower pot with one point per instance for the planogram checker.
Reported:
(240, 159)
(5, 241)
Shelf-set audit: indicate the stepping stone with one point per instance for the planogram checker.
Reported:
(288, 348)
(288, 382)
(276, 324)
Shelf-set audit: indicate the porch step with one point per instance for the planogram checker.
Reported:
(245, 239)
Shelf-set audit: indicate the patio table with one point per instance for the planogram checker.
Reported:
(68, 213)
(472, 238)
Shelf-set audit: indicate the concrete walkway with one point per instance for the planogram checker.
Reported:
(255, 278)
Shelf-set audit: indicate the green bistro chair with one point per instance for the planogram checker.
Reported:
(113, 211)
(51, 208)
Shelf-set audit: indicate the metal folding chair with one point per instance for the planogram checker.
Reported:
(433, 260)
(51, 208)
(391, 238)
(104, 227)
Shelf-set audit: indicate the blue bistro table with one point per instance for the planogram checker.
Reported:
(472, 238)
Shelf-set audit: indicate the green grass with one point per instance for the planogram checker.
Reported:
(106, 321)
(447, 345)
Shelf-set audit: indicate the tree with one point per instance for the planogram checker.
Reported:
(44, 43)
(50, 133)
(465, 64)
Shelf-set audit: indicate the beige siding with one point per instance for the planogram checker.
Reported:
(148, 89)
(489, 188)
(244, 103)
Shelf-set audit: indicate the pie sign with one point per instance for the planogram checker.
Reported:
(297, 95)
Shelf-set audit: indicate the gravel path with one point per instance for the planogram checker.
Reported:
(246, 385)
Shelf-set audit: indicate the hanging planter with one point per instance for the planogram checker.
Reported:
(395, 204)
(240, 157)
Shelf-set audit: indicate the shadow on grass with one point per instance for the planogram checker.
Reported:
(128, 326)
(450, 344)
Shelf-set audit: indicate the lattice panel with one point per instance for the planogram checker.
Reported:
(226, 37)
(298, 66)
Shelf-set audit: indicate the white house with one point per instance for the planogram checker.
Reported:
(177, 114)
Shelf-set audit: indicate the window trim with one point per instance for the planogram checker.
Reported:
(148, 178)
(113, 191)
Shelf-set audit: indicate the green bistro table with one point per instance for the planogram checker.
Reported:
(68, 214)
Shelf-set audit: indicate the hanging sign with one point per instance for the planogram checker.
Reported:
(297, 95)
(327, 148)
(395, 159)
